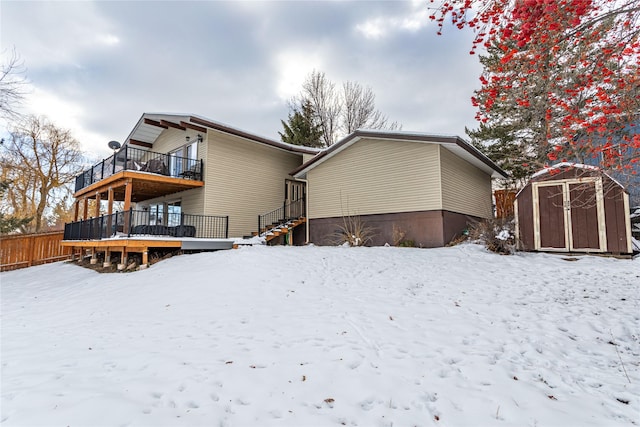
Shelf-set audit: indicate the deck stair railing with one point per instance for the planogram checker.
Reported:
(129, 158)
(279, 217)
(144, 223)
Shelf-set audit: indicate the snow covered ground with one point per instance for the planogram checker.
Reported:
(310, 336)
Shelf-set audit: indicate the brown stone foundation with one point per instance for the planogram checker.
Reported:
(426, 229)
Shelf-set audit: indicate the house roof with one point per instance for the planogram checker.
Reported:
(455, 144)
(151, 125)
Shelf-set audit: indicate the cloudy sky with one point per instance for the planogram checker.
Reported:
(95, 67)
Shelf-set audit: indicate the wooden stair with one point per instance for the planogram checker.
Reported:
(280, 229)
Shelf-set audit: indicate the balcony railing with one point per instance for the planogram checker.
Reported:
(144, 223)
(129, 158)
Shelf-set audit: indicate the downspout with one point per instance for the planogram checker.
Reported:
(306, 207)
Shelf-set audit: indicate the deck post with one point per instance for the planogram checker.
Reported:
(97, 210)
(76, 210)
(123, 259)
(85, 208)
(94, 258)
(109, 211)
(107, 258)
(145, 259)
(127, 205)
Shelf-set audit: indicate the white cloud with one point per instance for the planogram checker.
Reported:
(292, 67)
(78, 30)
(107, 39)
(379, 27)
(65, 114)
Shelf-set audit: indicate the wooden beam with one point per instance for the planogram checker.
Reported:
(140, 143)
(76, 210)
(117, 245)
(110, 201)
(85, 208)
(172, 125)
(194, 127)
(109, 210)
(119, 178)
(128, 189)
(155, 123)
(97, 210)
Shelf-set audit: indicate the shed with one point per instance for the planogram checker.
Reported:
(572, 207)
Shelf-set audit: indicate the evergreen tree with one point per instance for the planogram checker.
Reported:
(560, 80)
(301, 128)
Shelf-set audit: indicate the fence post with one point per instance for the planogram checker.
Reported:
(126, 157)
(31, 245)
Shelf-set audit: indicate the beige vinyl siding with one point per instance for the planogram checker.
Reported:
(172, 139)
(465, 188)
(376, 176)
(306, 157)
(191, 201)
(244, 179)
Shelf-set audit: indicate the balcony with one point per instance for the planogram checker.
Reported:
(143, 161)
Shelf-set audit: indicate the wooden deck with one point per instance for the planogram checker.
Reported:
(142, 245)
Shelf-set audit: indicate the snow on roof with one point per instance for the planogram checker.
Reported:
(561, 165)
(573, 165)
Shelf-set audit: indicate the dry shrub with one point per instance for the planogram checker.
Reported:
(353, 232)
(496, 234)
(398, 235)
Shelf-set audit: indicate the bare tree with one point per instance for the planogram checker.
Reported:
(39, 161)
(13, 85)
(321, 92)
(339, 113)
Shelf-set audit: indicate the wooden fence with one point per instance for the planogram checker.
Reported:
(25, 250)
(504, 203)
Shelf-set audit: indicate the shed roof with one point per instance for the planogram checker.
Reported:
(549, 171)
(455, 144)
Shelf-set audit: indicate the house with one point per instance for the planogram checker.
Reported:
(187, 177)
(411, 187)
(572, 207)
(184, 181)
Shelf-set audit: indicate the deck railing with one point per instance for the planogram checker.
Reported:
(129, 158)
(287, 212)
(144, 223)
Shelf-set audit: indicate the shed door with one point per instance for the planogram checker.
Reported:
(585, 232)
(552, 217)
(569, 216)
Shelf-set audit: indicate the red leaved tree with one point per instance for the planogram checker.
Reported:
(564, 75)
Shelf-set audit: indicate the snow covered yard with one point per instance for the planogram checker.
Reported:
(281, 336)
